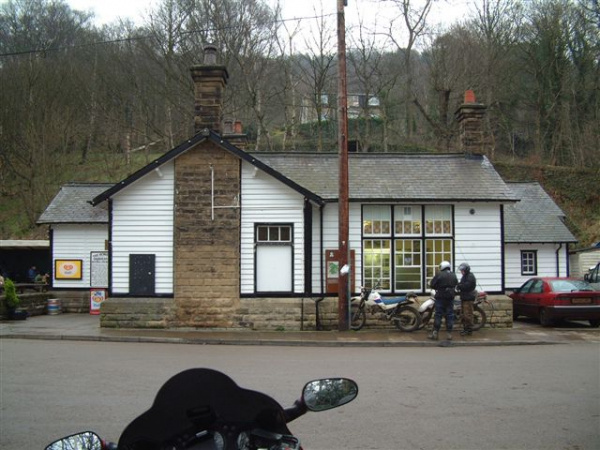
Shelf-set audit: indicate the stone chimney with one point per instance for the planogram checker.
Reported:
(469, 116)
(210, 80)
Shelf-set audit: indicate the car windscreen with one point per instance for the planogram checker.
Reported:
(569, 285)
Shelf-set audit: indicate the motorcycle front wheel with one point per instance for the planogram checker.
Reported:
(479, 318)
(407, 318)
(357, 317)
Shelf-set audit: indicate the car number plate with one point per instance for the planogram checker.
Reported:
(581, 301)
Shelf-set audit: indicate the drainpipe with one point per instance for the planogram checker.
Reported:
(558, 260)
(322, 251)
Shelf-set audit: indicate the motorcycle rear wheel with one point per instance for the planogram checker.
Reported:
(479, 318)
(357, 317)
(407, 318)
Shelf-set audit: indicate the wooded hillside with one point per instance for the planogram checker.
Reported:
(79, 102)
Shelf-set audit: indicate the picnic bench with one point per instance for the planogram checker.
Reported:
(39, 287)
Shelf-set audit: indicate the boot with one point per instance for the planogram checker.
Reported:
(433, 335)
(466, 332)
(449, 335)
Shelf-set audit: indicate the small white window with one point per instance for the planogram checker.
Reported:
(273, 233)
(528, 262)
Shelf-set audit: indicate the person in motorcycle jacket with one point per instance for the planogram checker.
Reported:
(468, 294)
(444, 283)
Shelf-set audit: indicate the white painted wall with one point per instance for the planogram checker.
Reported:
(478, 241)
(267, 200)
(71, 241)
(546, 262)
(143, 220)
(582, 261)
(330, 241)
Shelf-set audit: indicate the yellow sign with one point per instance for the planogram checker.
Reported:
(67, 269)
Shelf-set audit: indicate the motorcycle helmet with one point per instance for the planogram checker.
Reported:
(465, 267)
(444, 265)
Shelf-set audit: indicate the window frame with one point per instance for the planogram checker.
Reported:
(413, 221)
(526, 270)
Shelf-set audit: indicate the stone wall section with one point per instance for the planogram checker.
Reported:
(207, 240)
(300, 314)
(157, 313)
(266, 314)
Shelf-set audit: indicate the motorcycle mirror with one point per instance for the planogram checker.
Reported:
(328, 393)
(86, 440)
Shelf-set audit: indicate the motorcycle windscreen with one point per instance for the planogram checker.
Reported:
(274, 268)
(198, 400)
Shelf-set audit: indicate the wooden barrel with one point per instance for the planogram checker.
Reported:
(53, 306)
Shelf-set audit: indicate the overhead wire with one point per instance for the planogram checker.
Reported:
(143, 37)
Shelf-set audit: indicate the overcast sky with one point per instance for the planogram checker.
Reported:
(110, 10)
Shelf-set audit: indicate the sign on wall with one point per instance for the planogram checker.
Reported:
(99, 269)
(67, 269)
(333, 270)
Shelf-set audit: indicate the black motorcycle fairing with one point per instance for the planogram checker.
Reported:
(197, 400)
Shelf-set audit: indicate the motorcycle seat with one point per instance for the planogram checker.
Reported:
(392, 300)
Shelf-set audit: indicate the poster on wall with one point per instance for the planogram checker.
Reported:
(97, 296)
(99, 269)
(67, 269)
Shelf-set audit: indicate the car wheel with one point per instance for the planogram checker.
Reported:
(545, 321)
(595, 323)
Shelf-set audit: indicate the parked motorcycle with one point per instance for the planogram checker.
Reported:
(399, 310)
(427, 310)
(205, 409)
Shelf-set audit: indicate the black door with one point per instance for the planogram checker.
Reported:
(142, 274)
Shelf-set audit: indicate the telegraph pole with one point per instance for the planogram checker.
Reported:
(343, 280)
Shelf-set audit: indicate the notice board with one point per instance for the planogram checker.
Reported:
(332, 267)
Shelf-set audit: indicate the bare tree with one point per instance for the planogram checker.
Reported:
(246, 30)
(316, 67)
(290, 92)
(415, 23)
(40, 119)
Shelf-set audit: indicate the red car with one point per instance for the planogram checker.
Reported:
(555, 298)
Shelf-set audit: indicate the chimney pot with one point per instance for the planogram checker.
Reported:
(210, 54)
(469, 96)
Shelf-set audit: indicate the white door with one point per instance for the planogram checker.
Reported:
(273, 268)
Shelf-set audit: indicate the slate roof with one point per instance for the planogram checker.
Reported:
(536, 218)
(394, 176)
(203, 135)
(71, 205)
(372, 177)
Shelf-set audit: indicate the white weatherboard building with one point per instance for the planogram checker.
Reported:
(536, 238)
(206, 234)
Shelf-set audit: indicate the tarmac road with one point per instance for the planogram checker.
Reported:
(479, 397)
(87, 328)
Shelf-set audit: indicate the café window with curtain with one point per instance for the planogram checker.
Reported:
(403, 245)
(438, 238)
(377, 244)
